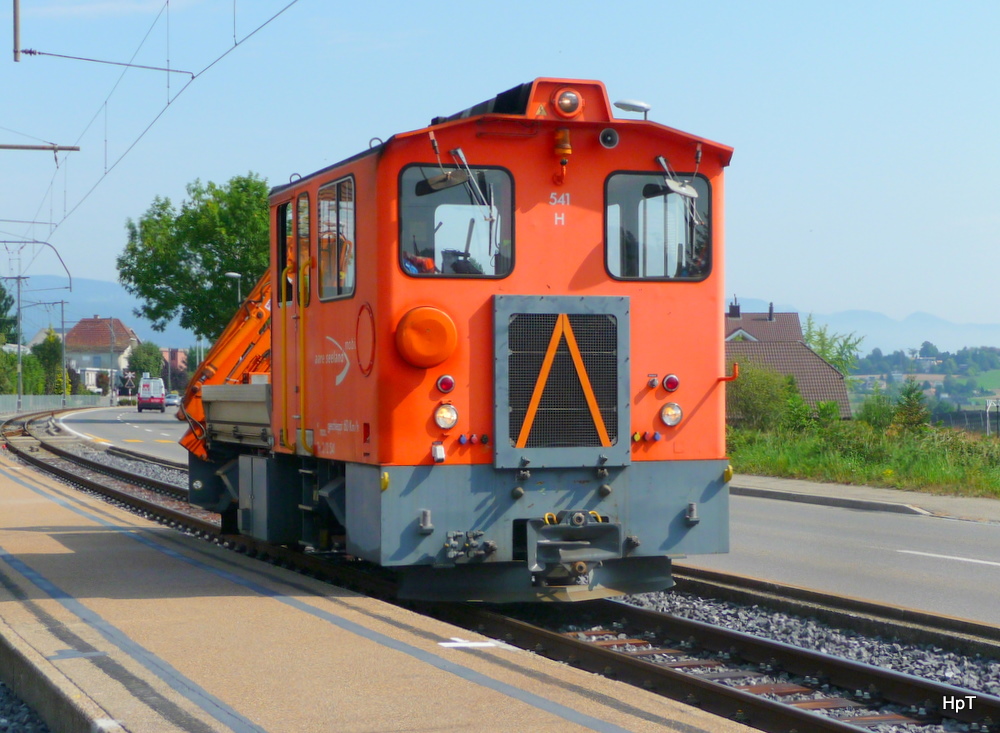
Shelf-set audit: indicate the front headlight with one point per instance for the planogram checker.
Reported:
(446, 416)
(671, 414)
(567, 102)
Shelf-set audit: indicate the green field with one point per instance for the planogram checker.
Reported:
(989, 380)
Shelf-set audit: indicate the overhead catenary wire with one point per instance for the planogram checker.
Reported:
(193, 76)
(101, 108)
(31, 52)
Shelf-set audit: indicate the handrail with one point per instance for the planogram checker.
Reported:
(303, 287)
(285, 305)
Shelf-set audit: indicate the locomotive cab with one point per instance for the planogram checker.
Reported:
(497, 355)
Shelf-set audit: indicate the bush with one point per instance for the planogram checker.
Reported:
(877, 410)
(798, 415)
(758, 399)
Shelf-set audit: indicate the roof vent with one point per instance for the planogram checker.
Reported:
(734, 308)
(770, 312)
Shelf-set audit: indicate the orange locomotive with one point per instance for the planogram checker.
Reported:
(496, 354)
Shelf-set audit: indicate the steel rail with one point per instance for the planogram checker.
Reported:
(892, 686)
(19, 441)
(90, 464)
(343, 571)
(721, 700)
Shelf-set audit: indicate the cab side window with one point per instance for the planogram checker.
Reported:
(336, 239)
(303, 263)
(284, 251)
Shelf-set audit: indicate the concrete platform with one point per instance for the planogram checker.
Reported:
(109, 622)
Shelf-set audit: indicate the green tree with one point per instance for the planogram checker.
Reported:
(8, 373)
(929, 349)
(49, 353)
(911, 413)
(839, 350)
(175, 262)
(32, 375)
(8, 320)
(146, 357)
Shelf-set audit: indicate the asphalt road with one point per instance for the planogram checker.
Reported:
(939, 565)
(152, 433)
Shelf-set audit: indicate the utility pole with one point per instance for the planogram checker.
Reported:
(17, 30)
(111, 357)
(19, 278)
(20, 378)
(62, 339)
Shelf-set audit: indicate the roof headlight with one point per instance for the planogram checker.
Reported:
(446, 416)
(671, 414)
(568, 103)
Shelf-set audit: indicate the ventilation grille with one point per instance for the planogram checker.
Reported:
(563, 417)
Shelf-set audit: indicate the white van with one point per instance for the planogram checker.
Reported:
(151, 393)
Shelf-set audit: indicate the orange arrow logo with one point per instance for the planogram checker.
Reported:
(562, 328)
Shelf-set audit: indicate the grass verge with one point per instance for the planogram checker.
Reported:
(937, 460)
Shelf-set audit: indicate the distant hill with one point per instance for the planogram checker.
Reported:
(889, 334)
(91, 298)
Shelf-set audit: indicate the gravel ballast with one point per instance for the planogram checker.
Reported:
(976, 673)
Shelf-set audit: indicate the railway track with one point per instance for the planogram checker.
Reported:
(34, 440)
(765, 684)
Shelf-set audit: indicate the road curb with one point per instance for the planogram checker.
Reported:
(60, 703)
(837, 501)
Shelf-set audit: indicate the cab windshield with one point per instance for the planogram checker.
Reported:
(455, 222)
(657, 229)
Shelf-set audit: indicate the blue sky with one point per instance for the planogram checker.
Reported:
(865, 133)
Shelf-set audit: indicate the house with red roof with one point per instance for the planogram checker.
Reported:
(96, 345)
(775, 341)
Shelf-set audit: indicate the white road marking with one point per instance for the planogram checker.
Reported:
(77, 433)
(950, 557)
(462, 643)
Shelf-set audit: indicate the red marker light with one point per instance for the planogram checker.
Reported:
(671, 382)
(446, 383)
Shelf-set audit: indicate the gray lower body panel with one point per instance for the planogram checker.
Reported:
(453, 516)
